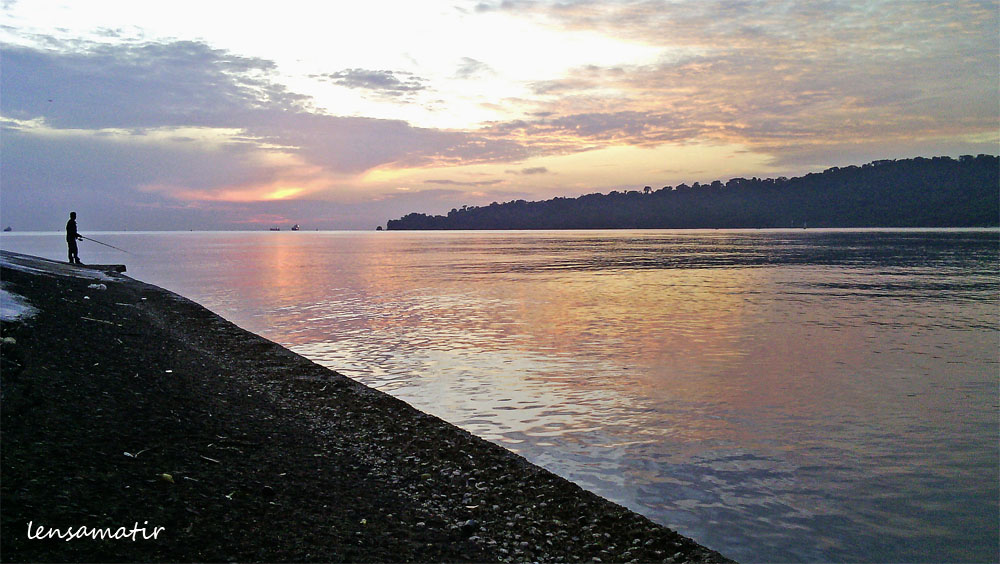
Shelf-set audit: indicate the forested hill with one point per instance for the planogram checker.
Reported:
(920, 192)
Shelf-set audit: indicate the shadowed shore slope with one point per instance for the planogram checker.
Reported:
(129, 406)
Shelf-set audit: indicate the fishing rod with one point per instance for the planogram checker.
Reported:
(105, 244)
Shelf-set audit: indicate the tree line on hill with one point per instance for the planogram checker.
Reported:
(918, 192)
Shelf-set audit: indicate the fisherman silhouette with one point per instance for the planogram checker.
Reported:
(71, 238)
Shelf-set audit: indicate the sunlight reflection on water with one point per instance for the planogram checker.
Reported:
(778, 396)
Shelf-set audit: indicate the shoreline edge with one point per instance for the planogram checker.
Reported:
(124, 403)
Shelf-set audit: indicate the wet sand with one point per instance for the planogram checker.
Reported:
(134, 410)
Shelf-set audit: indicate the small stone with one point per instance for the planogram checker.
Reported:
(470, 527)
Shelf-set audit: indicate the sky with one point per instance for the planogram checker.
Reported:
(220, 114)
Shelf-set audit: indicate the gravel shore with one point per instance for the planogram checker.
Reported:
(129, 409)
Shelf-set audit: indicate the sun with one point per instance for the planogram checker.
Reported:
(283, 194)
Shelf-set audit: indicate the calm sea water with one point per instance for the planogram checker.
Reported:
(780, 396)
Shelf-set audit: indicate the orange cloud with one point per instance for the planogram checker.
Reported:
(282, 176)
(257, 192)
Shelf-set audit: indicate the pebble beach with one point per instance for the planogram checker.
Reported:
(139, 426)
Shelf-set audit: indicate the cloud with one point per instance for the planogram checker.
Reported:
(772, 77)
(137, 87)
(535, 170)
(140, 85)
(160, 125)
(628, 127)
(133, 108)
(532, 170)
(450, 182)
(471, 68)
(504, 5)
(382, 82)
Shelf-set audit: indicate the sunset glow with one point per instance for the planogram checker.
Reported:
(369, 111)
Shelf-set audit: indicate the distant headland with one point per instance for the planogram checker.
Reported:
(918, 192)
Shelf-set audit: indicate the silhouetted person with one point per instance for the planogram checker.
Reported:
(71, 238)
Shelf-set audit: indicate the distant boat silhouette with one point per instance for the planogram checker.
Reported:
(295, 227)
(275, 229)
(7, 229)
